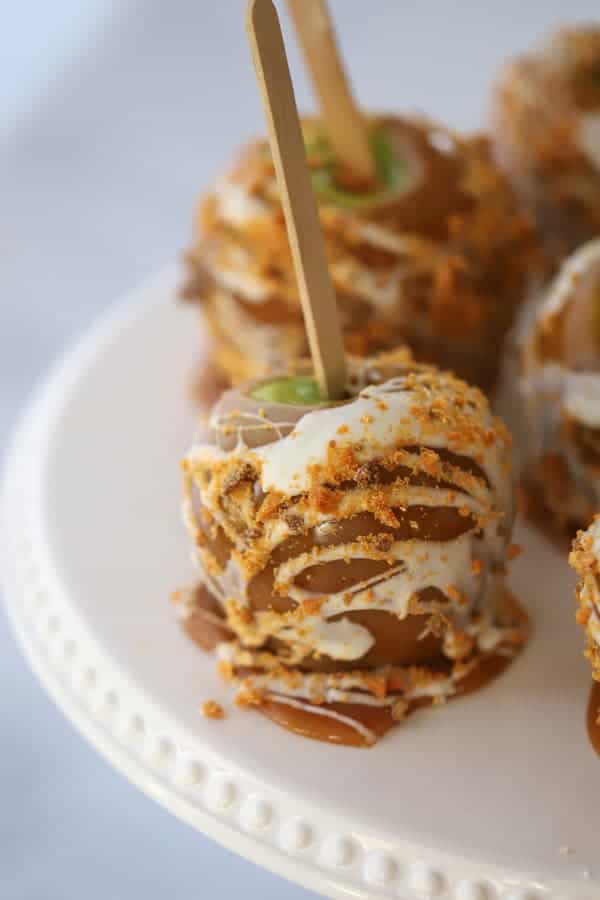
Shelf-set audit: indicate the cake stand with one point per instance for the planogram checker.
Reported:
(495, 796)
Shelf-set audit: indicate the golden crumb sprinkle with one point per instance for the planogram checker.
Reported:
(225, 670)
(366, 420)
(312, 605)
(250, 696)
(376, 684)
(343, 429)
(582, 616)
(323, 499)
(513, 551)
(477, 566)
(212, 710)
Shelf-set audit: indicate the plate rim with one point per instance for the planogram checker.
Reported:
(308, 847)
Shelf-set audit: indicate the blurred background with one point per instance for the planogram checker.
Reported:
(114, 115)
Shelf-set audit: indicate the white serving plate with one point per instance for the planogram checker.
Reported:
(495, 796)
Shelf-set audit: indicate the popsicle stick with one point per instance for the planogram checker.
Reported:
(299, 205)
(346, 126)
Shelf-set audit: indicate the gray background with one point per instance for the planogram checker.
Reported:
(113, 116)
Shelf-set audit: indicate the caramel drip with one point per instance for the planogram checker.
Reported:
(377, 720)
(353, 724)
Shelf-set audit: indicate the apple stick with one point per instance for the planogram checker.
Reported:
(346, 126)
(317, 296)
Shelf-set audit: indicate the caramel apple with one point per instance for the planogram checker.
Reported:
(352, 554)
(560, 384)
(436, 254)
(546, 129)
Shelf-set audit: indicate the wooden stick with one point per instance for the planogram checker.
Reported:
(299, 205)
(346, 126)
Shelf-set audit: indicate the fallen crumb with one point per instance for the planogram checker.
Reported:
(514, 550)
(212, 710)
(566, 851)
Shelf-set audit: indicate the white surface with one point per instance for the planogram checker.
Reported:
(103, 147)
(94, 547)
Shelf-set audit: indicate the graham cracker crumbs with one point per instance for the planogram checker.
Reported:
(323, 499)
(513, 551)
(212, 710)
(225, 670)
(250, 697)
(312, 605)
(376, 684)
(477, 566)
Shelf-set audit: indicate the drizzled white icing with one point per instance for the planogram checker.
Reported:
(235, 204)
